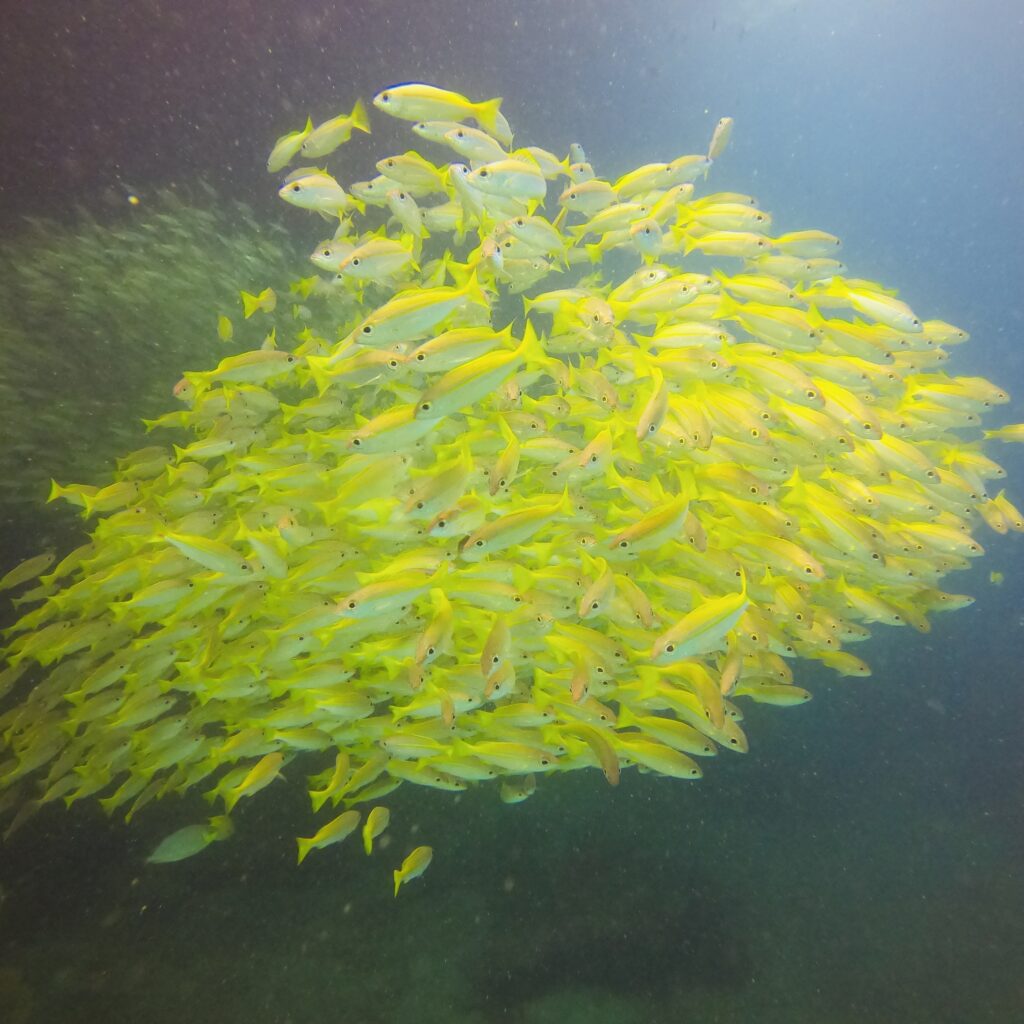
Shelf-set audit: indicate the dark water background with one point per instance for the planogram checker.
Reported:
(863, 862)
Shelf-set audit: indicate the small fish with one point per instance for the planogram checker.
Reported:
(264, 772)
(702, 630)
(189, 841)
(286, 147)
(416, 101)
(265, 302)
(225, 329)
(26, 571)
(413, 866)
(331, 134)
(311, 189)
(376, 822)
(720, 138)
(1012, 432)
(335, 831)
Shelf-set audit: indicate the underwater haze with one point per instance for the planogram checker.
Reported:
(861, 862)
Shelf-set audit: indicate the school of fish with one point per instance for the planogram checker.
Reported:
(557, 473)
(129, 302)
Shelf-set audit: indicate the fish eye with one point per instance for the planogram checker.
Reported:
(479, 543)
(356, 441)
(367, 329)
(483, 172)
(669, 648)
(351, 605)
(572, 195)
(420, 357)
(355, 262)
(425, 407)
(296, 187)
(385, 97)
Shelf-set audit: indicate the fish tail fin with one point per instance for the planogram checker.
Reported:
(459, 272)
(398, 881)
(727, 307)
(625, 716)
(305, 845)
(76, 697)
(87, 506)
(367, 841)
(359, 118)
(474, 291)
(109, 804)
(317, 366)
(814, 316)
(221, 827)
(487, 114)
(532, 347)
(250, 303)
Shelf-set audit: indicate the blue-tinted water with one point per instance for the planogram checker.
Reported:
(863, 861)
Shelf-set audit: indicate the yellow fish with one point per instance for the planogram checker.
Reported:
(413, 866)
(335, 831)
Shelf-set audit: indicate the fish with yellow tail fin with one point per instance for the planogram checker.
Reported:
(413, 866)
(312, 189)
(1012, 432)
(416, 101)
(335, 831)
(287, 146)
(702, 630)
(437, 543)
(265, 302)
(261, 775)
(377, 822)
(329, 135)
(26, 571)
